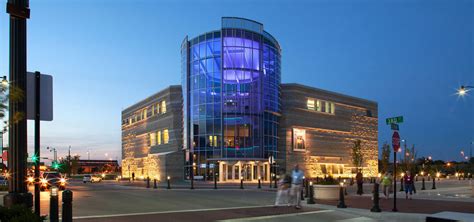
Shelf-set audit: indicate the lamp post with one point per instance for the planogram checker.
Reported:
(17, 190)
(463, 90)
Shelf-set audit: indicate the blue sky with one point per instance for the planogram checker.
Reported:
(105, 55)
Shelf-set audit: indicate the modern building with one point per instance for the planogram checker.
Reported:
(233, 118)
(318, 129)
(152, 136)
(231, 93)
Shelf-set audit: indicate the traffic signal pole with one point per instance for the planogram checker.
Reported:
(17, 188)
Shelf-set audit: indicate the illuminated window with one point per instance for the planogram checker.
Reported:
(329, 107)
(157, 108)
(310, 104)
(130, 121)
(318, 105)
(158, 137)
(163, 106)
(144, 113)
(333, 108)
(165, 136)
(152, 139)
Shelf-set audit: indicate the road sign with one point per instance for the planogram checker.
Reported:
(394, 126)
(396, 141)
(398, 119)
(46, 97)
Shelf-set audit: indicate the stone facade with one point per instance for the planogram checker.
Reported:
(319, 136)
(144, 152)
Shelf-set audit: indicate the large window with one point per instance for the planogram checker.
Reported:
(163, 106)
(165, 136)
(158, 137)
(152, 139)
(316, 105)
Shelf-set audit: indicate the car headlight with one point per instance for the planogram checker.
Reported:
(44, 181)
(30, 179)
(62, 180)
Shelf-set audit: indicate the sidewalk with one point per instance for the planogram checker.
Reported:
(405, 206)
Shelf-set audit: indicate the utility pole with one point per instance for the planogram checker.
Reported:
(17, 188)
(69, 161)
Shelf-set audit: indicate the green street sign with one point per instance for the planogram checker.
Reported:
(398, 119)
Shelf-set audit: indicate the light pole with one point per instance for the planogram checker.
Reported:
(463, 90)
(17, 138)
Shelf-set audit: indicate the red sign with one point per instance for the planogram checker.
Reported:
(396, 141)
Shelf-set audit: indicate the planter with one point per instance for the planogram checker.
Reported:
(326, 192)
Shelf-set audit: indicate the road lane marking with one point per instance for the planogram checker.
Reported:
(276, 216)
(167, 212)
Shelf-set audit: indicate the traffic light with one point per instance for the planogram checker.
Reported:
(56, 165)
(34, 158)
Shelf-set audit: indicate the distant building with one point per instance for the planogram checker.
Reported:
(96, 166)
(152, 136)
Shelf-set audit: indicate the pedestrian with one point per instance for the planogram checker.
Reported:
(283, 189)
(133, 176)
(408, 180)
(387, 184)
(359, 181)
(296, 185)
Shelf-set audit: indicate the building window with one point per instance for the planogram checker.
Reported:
(152, 139)
(318, 105)
(165, 136)
(329, 107)
(310, 104)
(158, 137)
(369, 113)
(163, 107)
(144, 113)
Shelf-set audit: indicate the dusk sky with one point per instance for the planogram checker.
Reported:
(105, 55)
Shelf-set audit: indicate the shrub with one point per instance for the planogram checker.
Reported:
(328, 181)
(18, 213)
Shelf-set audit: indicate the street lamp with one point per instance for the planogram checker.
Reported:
(4, 82)
(462, 91)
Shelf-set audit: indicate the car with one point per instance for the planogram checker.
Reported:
(3, 181)
(50, 179)
(91, 178)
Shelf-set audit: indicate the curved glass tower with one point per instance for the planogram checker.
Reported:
(231, 101)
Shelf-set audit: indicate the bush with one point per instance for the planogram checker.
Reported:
(18, 213)
(3, 188)
(328, 181)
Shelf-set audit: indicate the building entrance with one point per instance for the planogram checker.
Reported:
(233, 171)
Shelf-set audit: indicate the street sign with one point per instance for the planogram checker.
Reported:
(396, 141)
(394, 126)
(46, 97)
(398, 119)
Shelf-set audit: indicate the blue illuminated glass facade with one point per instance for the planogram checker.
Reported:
(231, 100)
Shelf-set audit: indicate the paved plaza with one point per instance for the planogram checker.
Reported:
(124, 201)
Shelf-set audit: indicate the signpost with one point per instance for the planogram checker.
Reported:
(393, 122)
(396, 147)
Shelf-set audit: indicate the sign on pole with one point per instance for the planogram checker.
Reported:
(394, 126)
(398, 119)
(396, 141)
(46, 97)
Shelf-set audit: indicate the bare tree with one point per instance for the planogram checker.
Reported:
(385, 157)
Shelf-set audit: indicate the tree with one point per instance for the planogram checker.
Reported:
(357, 157)
(385, 157)
(69, 165)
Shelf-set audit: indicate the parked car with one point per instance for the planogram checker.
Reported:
(50, 179)
(91, 178)
(3, 181)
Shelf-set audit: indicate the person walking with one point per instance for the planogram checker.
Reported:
(283, 189)
(296, 185)
(133, 176)
(387, 184)
(359, 181)
(408, 180)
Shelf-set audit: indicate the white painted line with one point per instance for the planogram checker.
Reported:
(275, 216)
(167, 212)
